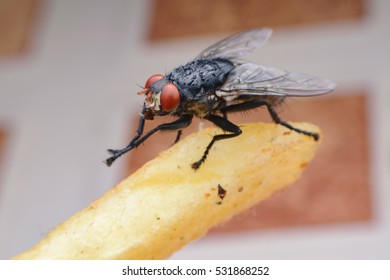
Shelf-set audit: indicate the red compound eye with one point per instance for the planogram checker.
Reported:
(170, 97)
(153, 79)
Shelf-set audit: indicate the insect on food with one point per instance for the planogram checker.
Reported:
(218, 82)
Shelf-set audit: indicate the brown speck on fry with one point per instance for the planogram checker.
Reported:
(240, 189)
(221, 192)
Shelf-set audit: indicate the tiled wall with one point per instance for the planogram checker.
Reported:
(73, 96)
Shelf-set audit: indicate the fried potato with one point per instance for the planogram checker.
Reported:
(166, 204)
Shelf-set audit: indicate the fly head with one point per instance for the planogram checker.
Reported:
(161, 97)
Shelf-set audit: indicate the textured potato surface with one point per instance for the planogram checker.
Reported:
(166, 204)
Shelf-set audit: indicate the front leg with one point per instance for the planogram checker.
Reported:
(179, 124)
(118, 153)
(225, 125)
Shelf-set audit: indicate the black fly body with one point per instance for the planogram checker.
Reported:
(216, 83)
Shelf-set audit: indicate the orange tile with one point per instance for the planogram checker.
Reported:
(16, 21)
(183, 18)
(335, 188)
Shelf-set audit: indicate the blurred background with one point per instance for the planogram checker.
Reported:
(69, 72)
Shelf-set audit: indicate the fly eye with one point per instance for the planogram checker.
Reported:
(153, 79)
(170, 97)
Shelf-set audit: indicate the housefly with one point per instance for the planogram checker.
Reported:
(218, 82)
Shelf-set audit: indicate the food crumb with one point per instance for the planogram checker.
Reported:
(221, 192)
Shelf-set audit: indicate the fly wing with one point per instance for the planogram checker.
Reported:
(254, 79)
(237, 45)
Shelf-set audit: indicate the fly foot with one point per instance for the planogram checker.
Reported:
(110, 160)
(197, 164)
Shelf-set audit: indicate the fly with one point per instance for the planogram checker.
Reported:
(217, 83)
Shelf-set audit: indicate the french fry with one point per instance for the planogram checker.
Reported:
(166, 204)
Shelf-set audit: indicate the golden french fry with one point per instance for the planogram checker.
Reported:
(166, 204)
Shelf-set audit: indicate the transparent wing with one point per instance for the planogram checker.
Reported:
(237, 45)
(254, 79)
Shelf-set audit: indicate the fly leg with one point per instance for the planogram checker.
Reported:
(181, 123)
(118, 153)
(225, 125)
(275, 117)
(178, 135)
(278, 120)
